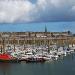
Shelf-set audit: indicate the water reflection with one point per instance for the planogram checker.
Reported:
(5, 68)
(63, 66)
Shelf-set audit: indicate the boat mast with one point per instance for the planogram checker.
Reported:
(24, 43)
(14, 41)
(3, 45)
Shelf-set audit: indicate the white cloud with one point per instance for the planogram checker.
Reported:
(43, 10)
(11, 11)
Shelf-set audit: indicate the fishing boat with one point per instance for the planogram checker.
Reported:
(6, 58)
(36, 60)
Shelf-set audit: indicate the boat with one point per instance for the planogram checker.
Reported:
(6, 58)
(36, 60)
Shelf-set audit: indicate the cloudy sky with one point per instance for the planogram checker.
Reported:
(12, 11)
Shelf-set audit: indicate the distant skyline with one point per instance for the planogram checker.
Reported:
(26, 11)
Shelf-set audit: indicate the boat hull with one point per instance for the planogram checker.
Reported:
(32, 60)
(9, 61)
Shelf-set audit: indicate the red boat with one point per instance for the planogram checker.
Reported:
(6, 58)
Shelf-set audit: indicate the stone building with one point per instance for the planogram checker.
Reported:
(37, 38)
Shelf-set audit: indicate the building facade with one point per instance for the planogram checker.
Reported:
(37, 38)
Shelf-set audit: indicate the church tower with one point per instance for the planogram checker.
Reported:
(45, 30)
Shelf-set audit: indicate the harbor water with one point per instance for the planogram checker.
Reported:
(63, 66)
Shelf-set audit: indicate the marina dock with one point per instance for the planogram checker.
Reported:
(37, 46)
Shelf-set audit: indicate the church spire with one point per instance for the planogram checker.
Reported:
(45, 29)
